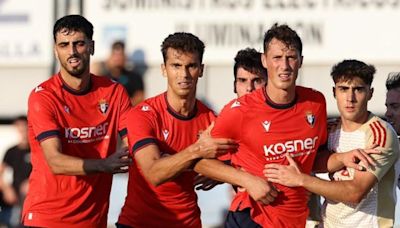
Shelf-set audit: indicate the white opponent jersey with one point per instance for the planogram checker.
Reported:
(377, 208)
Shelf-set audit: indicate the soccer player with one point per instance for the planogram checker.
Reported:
(355, 198)
(164, 138)
(392, 103)
(74, 119)
(393, 100)
(269, 122)
(248, 71)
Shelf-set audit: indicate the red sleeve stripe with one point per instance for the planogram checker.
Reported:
(383, 130)
(379, 133)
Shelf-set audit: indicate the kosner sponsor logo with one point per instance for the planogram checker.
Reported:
(86, 132)
(297, 145)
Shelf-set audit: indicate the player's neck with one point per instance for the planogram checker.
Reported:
(77, 83)
(352, 125)
(281, 96)
(182, 105)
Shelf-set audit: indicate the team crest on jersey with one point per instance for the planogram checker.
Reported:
(103, 106)
(310, 118)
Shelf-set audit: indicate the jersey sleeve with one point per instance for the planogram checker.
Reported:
(386, 139)
(228, 125)
(124, 108)
(141, 127)
(42, 116)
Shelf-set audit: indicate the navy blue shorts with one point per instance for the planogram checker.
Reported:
(240, 219)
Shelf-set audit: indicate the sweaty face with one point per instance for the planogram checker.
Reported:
(73, 50)
(182, 70)
(246, 82)
(393, 108)
(283, 64)
(352, 100)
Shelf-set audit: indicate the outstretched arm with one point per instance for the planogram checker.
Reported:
(332, 162)
(159, 168)
(258, 188)
(350, 191)
(61, 163)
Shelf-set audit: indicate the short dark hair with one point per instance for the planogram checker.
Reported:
(73, 23)
(350, 68)
(20, 118)
(250, 60)
(393, 81)
(185, 42)
(118, 45)
(284, 34)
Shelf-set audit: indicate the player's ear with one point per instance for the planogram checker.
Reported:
(334, 92)
(55, 52)
(301, 61)
(371, 93)
(91, 47)
(201, 70)
(163, 70)
(264, 60)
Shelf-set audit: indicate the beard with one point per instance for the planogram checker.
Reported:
(76, 71)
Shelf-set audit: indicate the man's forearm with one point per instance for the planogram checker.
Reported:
(338, 191)
(219, 171)
(170, 166)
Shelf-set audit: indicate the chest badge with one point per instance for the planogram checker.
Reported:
(103, 106)
(310, 118)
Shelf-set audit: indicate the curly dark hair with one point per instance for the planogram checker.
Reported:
(73, 23)
(284, 34)
(185, 42)
(350, 68)
(250, 60)
(393, 81)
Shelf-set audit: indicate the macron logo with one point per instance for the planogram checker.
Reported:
(235, 104)
(166, 134)
(145, 108)
(266, 124)
(38, 89)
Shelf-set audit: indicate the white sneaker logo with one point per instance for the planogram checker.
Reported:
(235, 104)
(166, 134)
(266, 124)
(145, 108)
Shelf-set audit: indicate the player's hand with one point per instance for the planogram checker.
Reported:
(9, 195)
(118, 162)
(208, 147)
(260, 190)
(204, 183)
(207, 133)
(359, 159)
(288, 175)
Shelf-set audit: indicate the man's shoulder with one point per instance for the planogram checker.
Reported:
(380, 131)
(151, 105)
(46, 88)
(309, 93)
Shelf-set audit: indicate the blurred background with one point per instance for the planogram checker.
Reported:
(331, 30)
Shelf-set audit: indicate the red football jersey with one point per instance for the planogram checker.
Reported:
(174, 203)
(87, 123)
(266, 132)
